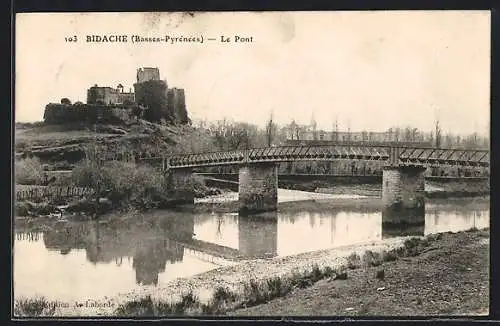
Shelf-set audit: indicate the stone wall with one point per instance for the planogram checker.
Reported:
(81, 113)
(147, 73)
(403, 187)
(180, 190)
(176, 100)
(258, 188)
(108, 95)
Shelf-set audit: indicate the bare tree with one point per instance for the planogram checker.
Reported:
(336, 129)
(314, 127)
(270, 130)
(438, 133)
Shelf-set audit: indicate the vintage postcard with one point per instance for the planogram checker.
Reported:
(252, 164)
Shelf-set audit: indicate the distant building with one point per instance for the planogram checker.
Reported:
(308, 135)
(108, 95)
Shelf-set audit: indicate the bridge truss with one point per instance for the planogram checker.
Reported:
(390, 155)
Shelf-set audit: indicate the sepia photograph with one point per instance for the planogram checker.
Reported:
(191, 164)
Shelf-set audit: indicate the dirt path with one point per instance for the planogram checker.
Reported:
(449, 278)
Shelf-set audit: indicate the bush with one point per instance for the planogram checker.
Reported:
(413, 246)
(371, 258)
(125, 184)
(389, 256)
(29, 171)
(37, 307)
(222, 294)
(140, 307)
(353, 261)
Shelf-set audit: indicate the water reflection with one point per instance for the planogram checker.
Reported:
(97, 258)
(151, 243)
(397, 223)
(258, 235)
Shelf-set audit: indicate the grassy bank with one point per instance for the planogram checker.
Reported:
(256, 293)
(444, 274)
(115, 185)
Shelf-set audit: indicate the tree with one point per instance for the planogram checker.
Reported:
(438, 133)
(314, 127)
(229, 135)
(449, 140)
(414, 134)
(270, 131)
(65, 101)
(397, 133)
(408, 134)
(152, 95)
(293, 130)
(390, 133)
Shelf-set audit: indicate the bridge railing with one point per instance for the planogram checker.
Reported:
(393, 155)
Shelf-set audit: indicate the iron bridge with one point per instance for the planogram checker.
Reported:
(400, 156)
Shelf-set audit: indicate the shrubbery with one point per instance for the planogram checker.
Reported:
(29, 171)
(128, 185)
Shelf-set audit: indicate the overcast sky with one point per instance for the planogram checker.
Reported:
(370, 70)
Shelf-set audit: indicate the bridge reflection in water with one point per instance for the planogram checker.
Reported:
(164, 245)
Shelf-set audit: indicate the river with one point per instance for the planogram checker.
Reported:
(72, 261)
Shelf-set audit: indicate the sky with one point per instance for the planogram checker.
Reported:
(367, 70)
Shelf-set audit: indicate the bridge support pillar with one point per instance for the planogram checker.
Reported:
(258, 188)
(180, 190)
(403, 187)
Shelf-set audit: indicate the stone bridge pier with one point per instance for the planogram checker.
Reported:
(180, 190)
(403, 188)
(258, 188)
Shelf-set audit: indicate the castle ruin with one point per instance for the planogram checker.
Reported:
(151, 100)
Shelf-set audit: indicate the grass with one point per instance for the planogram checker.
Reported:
(34, 307)
(147, 307)
(372, 259)
(256, 292)
(29, 171)
(353, 261)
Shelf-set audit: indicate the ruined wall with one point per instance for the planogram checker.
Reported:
(146, 74)
(176, 100)
(152, 95)
(107, 95)
(85, 113)
(161, 102)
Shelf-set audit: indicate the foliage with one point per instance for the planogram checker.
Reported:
(36, 307)
(65, 101)
(29, 171)
(353, 261)
(124, 183)
(371, 259)
(127, 184)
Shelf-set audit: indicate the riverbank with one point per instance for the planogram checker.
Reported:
(460, 260)
(449, 277)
